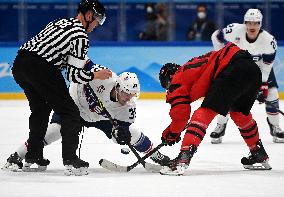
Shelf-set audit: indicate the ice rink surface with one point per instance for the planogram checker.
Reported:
(215, 170)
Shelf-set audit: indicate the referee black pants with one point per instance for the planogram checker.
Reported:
(45, 90)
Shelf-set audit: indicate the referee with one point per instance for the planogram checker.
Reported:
(62, 44)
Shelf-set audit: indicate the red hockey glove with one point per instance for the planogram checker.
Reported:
(262, 93)
(170, 138)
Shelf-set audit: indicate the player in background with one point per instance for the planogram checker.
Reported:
(118, 95)
(228, 80)
(262, 46)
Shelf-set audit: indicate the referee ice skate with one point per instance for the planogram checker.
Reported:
(62, 44)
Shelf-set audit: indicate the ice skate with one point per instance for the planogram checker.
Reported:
(76, 167)
(14, 163)
(41, 165)
(179, 165)
(257, 160)
(160, 159)
(276, 132)
(218, 133)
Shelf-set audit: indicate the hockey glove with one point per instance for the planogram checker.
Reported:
(170, 138)
(121, 134)
(262, 93)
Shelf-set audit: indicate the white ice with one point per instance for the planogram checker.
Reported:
(215, 170)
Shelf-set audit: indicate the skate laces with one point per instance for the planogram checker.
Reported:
(159, 156)
(14, 158)
(277, 129)
(219, 128)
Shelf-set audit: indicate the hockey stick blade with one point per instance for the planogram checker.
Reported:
(118, 168)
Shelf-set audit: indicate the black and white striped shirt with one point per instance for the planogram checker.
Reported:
(63, 43)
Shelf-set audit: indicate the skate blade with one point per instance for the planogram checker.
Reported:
(258, 166)
(168, 171)
(278, 140)
(27, 168)
(11, 167)
(71, 171)
(216, 140)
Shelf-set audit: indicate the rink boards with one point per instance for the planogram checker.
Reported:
(145, 59)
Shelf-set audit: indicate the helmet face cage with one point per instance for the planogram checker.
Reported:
(96, 7)
(253, 15)
(128, 83)
(166, 73)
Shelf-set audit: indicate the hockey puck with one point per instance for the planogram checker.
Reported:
(125, 151)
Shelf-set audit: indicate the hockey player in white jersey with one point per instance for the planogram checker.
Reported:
(118, 95)
(262, 46)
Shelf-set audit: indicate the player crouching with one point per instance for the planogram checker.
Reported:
(118, 94)
(228, 80)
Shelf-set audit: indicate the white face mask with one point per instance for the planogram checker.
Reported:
(201, 15)
(149, 9)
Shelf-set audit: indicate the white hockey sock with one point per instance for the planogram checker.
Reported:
(222, 119)
(52, 133)
(273, 119)
(22, 150)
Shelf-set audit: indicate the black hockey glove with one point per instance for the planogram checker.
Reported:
(121, 134)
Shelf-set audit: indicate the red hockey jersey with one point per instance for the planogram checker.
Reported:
(192, 81)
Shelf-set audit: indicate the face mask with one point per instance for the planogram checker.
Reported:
(149, 9)
(201, 15)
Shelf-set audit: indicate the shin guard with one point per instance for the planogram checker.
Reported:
(247, 126)
(196, 130)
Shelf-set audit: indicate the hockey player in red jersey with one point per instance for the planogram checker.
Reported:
(229, 81)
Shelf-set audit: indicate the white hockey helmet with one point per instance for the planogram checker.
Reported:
(253, 15)
(128, 82)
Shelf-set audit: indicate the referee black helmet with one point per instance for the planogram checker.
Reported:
(95, 6)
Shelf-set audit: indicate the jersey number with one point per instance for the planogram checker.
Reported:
(273, 44)
(132, 113)
(229, 29)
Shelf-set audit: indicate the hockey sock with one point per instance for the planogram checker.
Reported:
(143, 144)
(272, 113)
(222, 119)
(247, 126)
(196, 130)
(140, 142)
(22, 150)
(52, 135)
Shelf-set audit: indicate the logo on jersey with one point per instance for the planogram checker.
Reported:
(100, 89)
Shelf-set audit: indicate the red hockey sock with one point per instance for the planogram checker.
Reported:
(196, 130)
(247, 126)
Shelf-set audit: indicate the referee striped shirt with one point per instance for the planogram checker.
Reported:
(63, 43)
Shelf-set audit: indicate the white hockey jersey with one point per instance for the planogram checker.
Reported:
(102, 89)
(263, 49)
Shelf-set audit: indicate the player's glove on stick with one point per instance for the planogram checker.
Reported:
(170, 138)
(121, 134)
(262, 93)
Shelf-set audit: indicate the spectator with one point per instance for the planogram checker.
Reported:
(150, 30)
(162, 24)
(156, 24)
(202, 28)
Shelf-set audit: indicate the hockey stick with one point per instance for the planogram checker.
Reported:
(271, 105)
(146, 165)
(118, 168)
